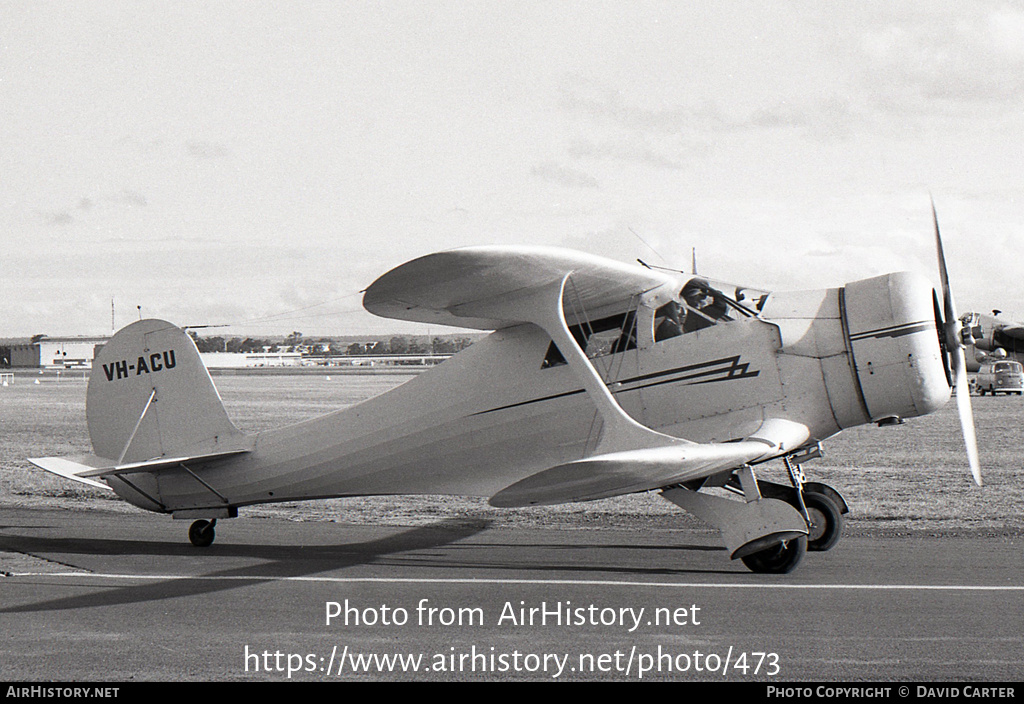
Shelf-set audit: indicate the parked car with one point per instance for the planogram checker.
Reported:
(1003, 377)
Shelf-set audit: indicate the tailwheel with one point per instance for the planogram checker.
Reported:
(202, 533)
(780, 558)
(825, 524)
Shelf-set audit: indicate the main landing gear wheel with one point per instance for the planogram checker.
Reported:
(826, 522)
(202, 533)
(778, 559)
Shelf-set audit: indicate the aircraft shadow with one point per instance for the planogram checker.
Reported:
(600, 559)
(605, 546)
(404, 549)
(278, 561)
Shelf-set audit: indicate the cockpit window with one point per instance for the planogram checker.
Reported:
(705, 305)
(699, 304)
(702, 305)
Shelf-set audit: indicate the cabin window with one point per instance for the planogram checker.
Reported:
(598, 338)
(668, 321)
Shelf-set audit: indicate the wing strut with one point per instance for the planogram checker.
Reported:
(620, 432)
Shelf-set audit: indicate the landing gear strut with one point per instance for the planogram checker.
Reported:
(823, 514)
(821, 506)
(202, 533)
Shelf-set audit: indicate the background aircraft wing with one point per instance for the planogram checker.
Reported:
(1014, 331)
(468, 287)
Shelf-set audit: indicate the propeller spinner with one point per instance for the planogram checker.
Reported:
(953, 336)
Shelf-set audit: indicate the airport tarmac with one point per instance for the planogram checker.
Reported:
(115, 597)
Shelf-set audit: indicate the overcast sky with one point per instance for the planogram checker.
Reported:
(259, 163)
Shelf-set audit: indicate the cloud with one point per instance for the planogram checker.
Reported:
(617, 240)
(672, 136)
(605, 104)
(132, 198)
(202, 149)
(61, 218)
(93, 207)
(564, 176)
(947, 63)
(664, 152)
(618, 131)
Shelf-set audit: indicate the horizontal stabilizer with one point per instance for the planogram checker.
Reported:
(69, 468)
(83, 469)
(160, 463)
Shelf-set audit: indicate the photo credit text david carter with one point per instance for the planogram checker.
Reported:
(627, 658)
(885, 692)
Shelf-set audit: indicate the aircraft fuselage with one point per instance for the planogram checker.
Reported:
(500, 411)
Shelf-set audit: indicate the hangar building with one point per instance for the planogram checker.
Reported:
(43, 352)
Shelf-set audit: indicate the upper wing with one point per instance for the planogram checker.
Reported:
(471, 287)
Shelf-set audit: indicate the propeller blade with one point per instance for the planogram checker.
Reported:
(950, 321)
(963, 406)
(955, 347)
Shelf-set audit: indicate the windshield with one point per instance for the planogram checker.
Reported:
(700, 303)
(703, 303)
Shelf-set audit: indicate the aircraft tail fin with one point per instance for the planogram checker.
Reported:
(150, 396)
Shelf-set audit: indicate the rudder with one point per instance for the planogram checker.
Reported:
(151, 396)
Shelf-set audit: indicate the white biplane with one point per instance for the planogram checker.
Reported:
(600, 379)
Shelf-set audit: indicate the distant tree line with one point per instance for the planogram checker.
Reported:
(327, 346)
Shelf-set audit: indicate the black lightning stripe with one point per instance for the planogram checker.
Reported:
(894, 331)
(727, 369)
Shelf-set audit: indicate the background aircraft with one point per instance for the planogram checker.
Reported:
(600, 379)
(992, 337)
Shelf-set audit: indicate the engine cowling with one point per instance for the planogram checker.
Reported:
(893, 335)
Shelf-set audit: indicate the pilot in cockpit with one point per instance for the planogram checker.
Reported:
(709, 304)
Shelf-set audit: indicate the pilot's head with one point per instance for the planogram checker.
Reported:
(695, 293)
